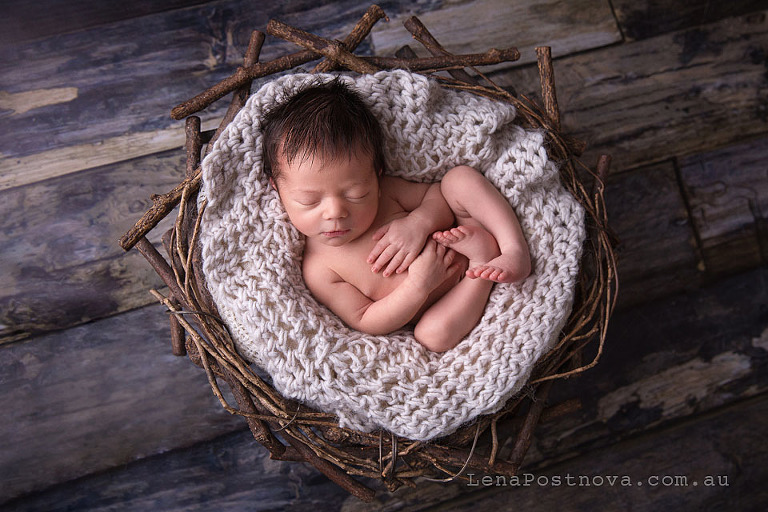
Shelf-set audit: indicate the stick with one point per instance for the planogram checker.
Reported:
(354, 38)
(240, 95)
(547, 78)
(422, 35)
(162, 268)
(259, 429)
(447, 62)
(243, 75)
(162, 206)
(525, 437)
(336, 475)
(333, 50)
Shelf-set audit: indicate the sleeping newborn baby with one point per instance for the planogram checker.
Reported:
(382, 252)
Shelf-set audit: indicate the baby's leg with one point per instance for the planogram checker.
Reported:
(450, 319)
(476, 202)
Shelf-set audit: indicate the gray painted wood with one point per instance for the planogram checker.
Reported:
(101, 95)
(61, 231)
(640, 19)
(142, 397)
(728, 194)
(676, 94)
(476, 26)
(61, 264)
(231, 473)
(107, 405)
(714, 462)
(26, 21)
(657, 252)
(99, 396)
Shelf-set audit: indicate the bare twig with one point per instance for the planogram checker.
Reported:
(333, 50)
(354, 38)
(240, 95)
(243, 75)
(161, 207)
(547, 78)
(446, 62)
(422, 35)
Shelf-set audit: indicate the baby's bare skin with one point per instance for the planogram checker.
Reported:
(381, 253)
(352, 264)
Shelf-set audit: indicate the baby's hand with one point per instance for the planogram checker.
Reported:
(433, 266)
(399, 243)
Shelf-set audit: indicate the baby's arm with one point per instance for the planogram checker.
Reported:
(433, 266)
(399, 242)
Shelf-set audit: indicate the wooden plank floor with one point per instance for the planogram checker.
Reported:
(100, 416)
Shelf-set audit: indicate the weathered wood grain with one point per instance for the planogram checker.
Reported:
(657, 253)
(713, 462)
(728, 196)
(671, 95)
(230, 473)
(669, 359)
(60, 261)
(68, 106)
(665, 361)
(25, 21)
(99, 396)
(94, 398)
(122, 79)
(474, 26)
(647, 18)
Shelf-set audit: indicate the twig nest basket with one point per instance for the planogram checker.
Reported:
(252, 264)
(350, 404)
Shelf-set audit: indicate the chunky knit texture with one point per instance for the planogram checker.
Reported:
(252, 263)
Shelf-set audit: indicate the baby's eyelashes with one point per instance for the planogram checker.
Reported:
(357, 198)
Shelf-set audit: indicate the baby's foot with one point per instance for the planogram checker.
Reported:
(485, 259)
(500, 269)
(480, 247)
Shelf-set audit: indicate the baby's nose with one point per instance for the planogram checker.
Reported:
(335, 209)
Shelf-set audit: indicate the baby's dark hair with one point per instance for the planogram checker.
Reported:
(323, 118)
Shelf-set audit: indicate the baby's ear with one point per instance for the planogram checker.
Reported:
(272, 182)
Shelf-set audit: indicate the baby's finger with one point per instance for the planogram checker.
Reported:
(384, 258)
(394, 263)
(376, 251)
(409, 258)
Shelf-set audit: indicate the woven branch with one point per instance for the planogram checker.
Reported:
(314, 436)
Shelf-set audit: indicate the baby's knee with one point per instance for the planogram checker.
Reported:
(458, 177)
(435, 336)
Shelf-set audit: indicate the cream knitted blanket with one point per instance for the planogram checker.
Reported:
(252, 263)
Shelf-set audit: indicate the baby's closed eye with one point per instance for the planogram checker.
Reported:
(357, 197)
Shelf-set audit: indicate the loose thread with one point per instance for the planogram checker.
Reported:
(466, 463)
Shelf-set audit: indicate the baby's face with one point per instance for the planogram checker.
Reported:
(332, 201)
